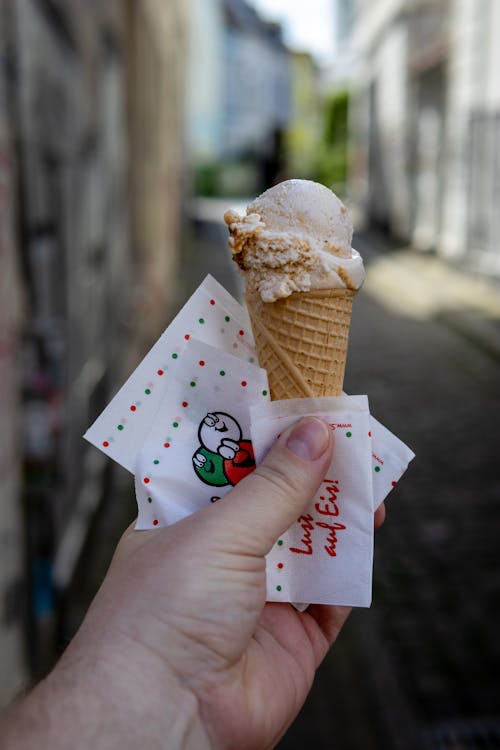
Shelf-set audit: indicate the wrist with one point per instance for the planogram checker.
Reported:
(137, 697)
(102, 701)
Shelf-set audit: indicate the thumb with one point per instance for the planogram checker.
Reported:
(268, 501)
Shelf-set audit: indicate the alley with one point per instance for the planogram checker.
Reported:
(122, 126)
(420, 668)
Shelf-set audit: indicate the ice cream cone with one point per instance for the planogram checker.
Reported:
(302, 341)
(294, 248)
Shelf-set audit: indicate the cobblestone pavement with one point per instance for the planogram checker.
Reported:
(420, 669)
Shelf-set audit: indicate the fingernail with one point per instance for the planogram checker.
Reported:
(309, 439)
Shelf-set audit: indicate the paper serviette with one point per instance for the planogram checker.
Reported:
(199, 445)
(210, 315)
(195, 418)
(326, 556)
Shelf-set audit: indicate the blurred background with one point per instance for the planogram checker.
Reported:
(126, 129)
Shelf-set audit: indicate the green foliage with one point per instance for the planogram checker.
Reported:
(318, 153)
(332, 162)
(231, 177)
(336, 117)
(331, 168)
(205, 180)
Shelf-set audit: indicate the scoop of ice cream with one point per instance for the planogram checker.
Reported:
(306, 210)
(295, 237)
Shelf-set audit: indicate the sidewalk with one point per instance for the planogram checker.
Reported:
(423, 286)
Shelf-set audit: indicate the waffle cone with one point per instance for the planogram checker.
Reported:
(302, 341)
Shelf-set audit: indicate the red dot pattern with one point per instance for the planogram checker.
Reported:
(280, 566)
(212, 302)
(201, 363)
(146, 480)
(155, 522)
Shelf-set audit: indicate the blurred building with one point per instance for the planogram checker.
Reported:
(91, 156)
(426, 123)
(11, 523)
(238, 96)
(342, 70)
(156, 52)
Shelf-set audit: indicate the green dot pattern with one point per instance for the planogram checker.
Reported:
(156, 461)
(227, 318)
(120, 427)
(201, 320)
(377, 469)
(278, 588)
(264, 393)
(192, 384)
(280, 542)
(175, 424)
(348, 434)
(222, 373)
(147, 391)
(174, 355)
(150, 499)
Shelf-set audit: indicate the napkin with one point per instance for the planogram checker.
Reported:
(195, 418)
(199, 445)
(210, 315)
(327, 555)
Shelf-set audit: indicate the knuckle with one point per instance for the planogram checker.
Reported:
(279, 479)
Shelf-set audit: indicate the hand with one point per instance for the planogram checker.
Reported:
(199, 460)
(228, 448)
(179, 648)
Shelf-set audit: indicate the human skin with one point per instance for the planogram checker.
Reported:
(179, 648)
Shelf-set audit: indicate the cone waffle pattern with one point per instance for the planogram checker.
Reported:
(302, 341)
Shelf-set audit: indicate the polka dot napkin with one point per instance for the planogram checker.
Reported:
(326, 557)
(212, 316)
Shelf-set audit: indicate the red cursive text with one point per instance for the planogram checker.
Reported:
(307, 525)
(327, 505)
(331, 544)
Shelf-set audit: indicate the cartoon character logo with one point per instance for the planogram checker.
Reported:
(223, 456)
